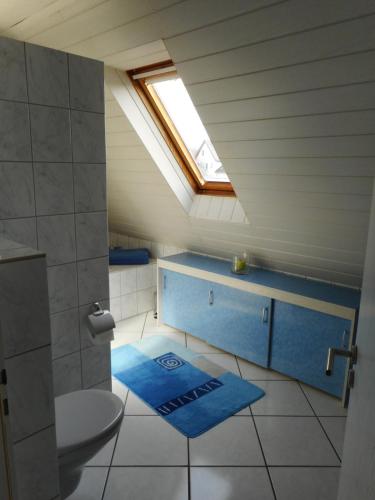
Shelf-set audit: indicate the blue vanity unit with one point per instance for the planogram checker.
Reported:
(278, 321)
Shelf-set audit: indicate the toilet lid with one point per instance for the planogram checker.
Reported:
(85, 416)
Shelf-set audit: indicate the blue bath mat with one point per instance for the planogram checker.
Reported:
(185, 388)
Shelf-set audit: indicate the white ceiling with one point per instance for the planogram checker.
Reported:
(287, 92)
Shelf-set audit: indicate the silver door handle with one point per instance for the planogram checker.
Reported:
(211, 297)
(333, 351)
(265, 315)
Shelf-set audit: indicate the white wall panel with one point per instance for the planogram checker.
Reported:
(348, 37)
(286, 89)
(335, 124)
(274, 22)
(328, 72)
(360, 96)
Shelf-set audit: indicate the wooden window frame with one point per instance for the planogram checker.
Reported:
(169, 132)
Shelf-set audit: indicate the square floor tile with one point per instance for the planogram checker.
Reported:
(149, 441)
(175, 336)
(335, 428)
(233, 442)
(146, 483)
(201, 347)
(92, 484)
(251, 371)
(123, 338)
(282, 398)
(135, 406)
(324, 404)
(227, 361)
(316, 483)
(244, 412)
(152, 326)
(134, 324)
(119, 389)
(230, 483)
(294, 441)
(104, 456)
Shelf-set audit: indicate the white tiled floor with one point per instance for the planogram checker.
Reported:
(287, 448)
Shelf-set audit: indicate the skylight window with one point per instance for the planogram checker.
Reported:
(166, 97)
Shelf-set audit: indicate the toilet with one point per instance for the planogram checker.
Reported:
(85, 421)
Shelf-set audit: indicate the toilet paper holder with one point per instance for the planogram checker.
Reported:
(100, 324)
(98, 311)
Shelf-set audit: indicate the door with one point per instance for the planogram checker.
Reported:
(239, 322)
(358, 467)
(300, 341)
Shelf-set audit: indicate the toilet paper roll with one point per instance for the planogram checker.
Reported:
(100, 325)
(103, 338)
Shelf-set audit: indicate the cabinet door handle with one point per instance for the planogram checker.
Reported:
(164, 281)
(210, 297)
(265, 315)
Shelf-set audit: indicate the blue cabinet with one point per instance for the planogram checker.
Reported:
(300, 341)
(233, 320)
(269, 318)
(184, 302)
(239, 322)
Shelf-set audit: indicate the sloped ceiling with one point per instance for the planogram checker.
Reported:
(286, 90)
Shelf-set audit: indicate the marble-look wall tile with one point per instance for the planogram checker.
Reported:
(9, 245)
(88, 137)
(12, 70)
(14, 132)
(93, 281)
(144, 277)
(47, 76)
(90, 187)
(103, 386)
(86, 77)
(129, 305)
(21, 230)
(65, 333)
(67, 374)
(24, 328)
(115, 308)
(36, 466)
(53, 188)
(92, 236)
(96, 365)
(128, 280)
(50, 132)
(84, 311)
(146, 300)
(62, 286)
(114, 284)
(30, 392)
(56, 237)
(16, 190)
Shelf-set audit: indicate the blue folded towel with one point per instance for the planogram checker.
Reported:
(133, 256)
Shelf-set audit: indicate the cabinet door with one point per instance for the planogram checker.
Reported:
(300, 342)
(184, 302)
(239, 322)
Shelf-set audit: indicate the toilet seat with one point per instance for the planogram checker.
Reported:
(84, 417)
